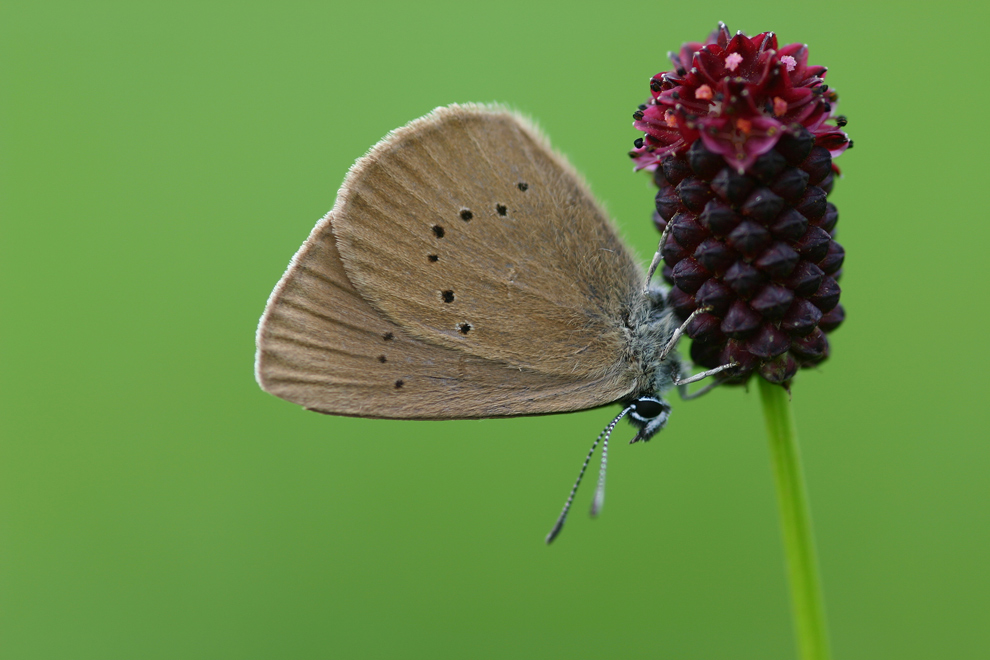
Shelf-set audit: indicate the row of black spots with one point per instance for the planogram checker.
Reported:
(467, 215)
(388, 336)
(439, 233)
(463, 328)
(448, 297)
(399, 383)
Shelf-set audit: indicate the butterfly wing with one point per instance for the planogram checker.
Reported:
(543, 332)
(322, 346)
(467, 220)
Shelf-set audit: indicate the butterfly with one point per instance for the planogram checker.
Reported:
(466, 271)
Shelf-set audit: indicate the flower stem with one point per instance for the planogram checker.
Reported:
(795, 520)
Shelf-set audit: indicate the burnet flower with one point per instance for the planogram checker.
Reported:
(740, 137)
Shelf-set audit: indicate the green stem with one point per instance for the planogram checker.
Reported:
(795, 521)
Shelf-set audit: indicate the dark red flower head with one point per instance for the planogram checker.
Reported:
(739, 95)
(739, 147)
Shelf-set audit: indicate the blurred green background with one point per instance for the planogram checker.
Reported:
(161, 162)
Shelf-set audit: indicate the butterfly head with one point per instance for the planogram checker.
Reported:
(649, 414)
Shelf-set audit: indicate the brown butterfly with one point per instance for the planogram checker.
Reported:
(466, 271)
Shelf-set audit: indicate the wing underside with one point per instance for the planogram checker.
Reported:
(514, 306)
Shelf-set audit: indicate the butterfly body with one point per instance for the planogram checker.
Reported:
(652, 326)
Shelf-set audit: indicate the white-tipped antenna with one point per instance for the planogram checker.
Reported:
(599, 500)
(600, 494)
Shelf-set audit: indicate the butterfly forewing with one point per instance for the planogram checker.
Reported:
(535, 321)
(468, 231)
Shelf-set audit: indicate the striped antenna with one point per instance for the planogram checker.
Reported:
(600, 493)
(599, 499)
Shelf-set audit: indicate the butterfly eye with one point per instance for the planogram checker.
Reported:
(648, 408)
(649, 414)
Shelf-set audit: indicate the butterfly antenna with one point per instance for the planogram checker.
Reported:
(600, 493)
(599, 500)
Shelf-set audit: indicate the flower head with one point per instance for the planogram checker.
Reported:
(739, 95)
(740, 149)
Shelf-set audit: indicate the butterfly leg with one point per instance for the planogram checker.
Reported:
(680, 382)
(657, 257)
(672, 342)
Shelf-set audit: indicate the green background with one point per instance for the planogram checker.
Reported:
(161, 162)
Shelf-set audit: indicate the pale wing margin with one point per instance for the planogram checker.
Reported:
(467, 218)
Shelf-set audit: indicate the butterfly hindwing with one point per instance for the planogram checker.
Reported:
(322, 346)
